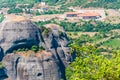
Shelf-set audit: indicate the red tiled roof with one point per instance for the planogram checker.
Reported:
(89, 14)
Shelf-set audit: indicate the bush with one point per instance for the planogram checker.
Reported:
(1, 18)
(14, 10)
(41, 48)
(1, 66)
(34, 48)
(92, 66)
(75, 33)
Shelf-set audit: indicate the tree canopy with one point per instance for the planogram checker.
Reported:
(89, 65)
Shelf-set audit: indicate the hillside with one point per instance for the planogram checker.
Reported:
(93, 3)
(82, 3)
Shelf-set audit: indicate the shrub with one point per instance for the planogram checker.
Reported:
(75, 33)
(34, 48)
(41, 48)
(1, 66)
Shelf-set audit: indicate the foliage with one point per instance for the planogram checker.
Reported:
(65, 3)
(1, 66)
(87, 26)
(14, 10)
(82, 39)
(93, 66)
(34, 48)
(75, 33)
(60, 33)
(41, 48)
(115, 43)
(1, 18)
(53, 12)
(84, 50)
(7, 4)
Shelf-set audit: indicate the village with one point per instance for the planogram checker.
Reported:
(44, 12)
(59, 40)
(72, 14)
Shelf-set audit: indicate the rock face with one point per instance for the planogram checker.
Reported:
(14, 35)
(39, 66)
(48, 65)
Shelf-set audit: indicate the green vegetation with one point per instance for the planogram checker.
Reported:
(114, 43)
(66, 3)
(83, 26)
(35, 48)
(1, 66)
(100, 61)
(20, 1)
(41, 48)
(1, 18)
(7, 4)
(14, 10)
(53, 12)
(91, 65)
(89, 26)
(93, 3)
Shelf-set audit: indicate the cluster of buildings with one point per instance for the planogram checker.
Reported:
(43, 7)
(82, 15)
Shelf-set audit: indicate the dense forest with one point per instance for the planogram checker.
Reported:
(82, 3)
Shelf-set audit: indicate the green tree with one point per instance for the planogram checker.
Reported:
(1, 18)
(92, 66)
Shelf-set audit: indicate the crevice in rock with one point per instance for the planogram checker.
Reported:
(61, 65)
(16, 65)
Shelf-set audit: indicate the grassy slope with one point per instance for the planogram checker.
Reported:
(112, 43)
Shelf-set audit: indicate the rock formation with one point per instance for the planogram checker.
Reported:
(31, 66)
(46, 65)
(14, 35)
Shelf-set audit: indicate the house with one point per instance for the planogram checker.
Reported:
(89, 15)
(42, 7)
(82, 15)
(43, 4)
(71, 14)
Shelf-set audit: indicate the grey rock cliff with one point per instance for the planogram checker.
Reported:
(41, 67)
(14, 35)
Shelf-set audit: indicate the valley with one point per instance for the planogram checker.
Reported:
(59, 40)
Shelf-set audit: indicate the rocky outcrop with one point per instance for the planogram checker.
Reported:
(14, 35)
(47, 65)
(36, 66)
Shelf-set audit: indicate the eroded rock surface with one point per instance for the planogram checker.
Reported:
(13, 35)
(47, 65)
(35, 66)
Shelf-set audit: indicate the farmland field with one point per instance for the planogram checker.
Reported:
(115, 43)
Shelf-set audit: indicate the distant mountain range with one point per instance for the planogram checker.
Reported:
(82, 3)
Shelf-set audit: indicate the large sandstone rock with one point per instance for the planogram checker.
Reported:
(35, 66)
(14, 35)
(51, 66)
